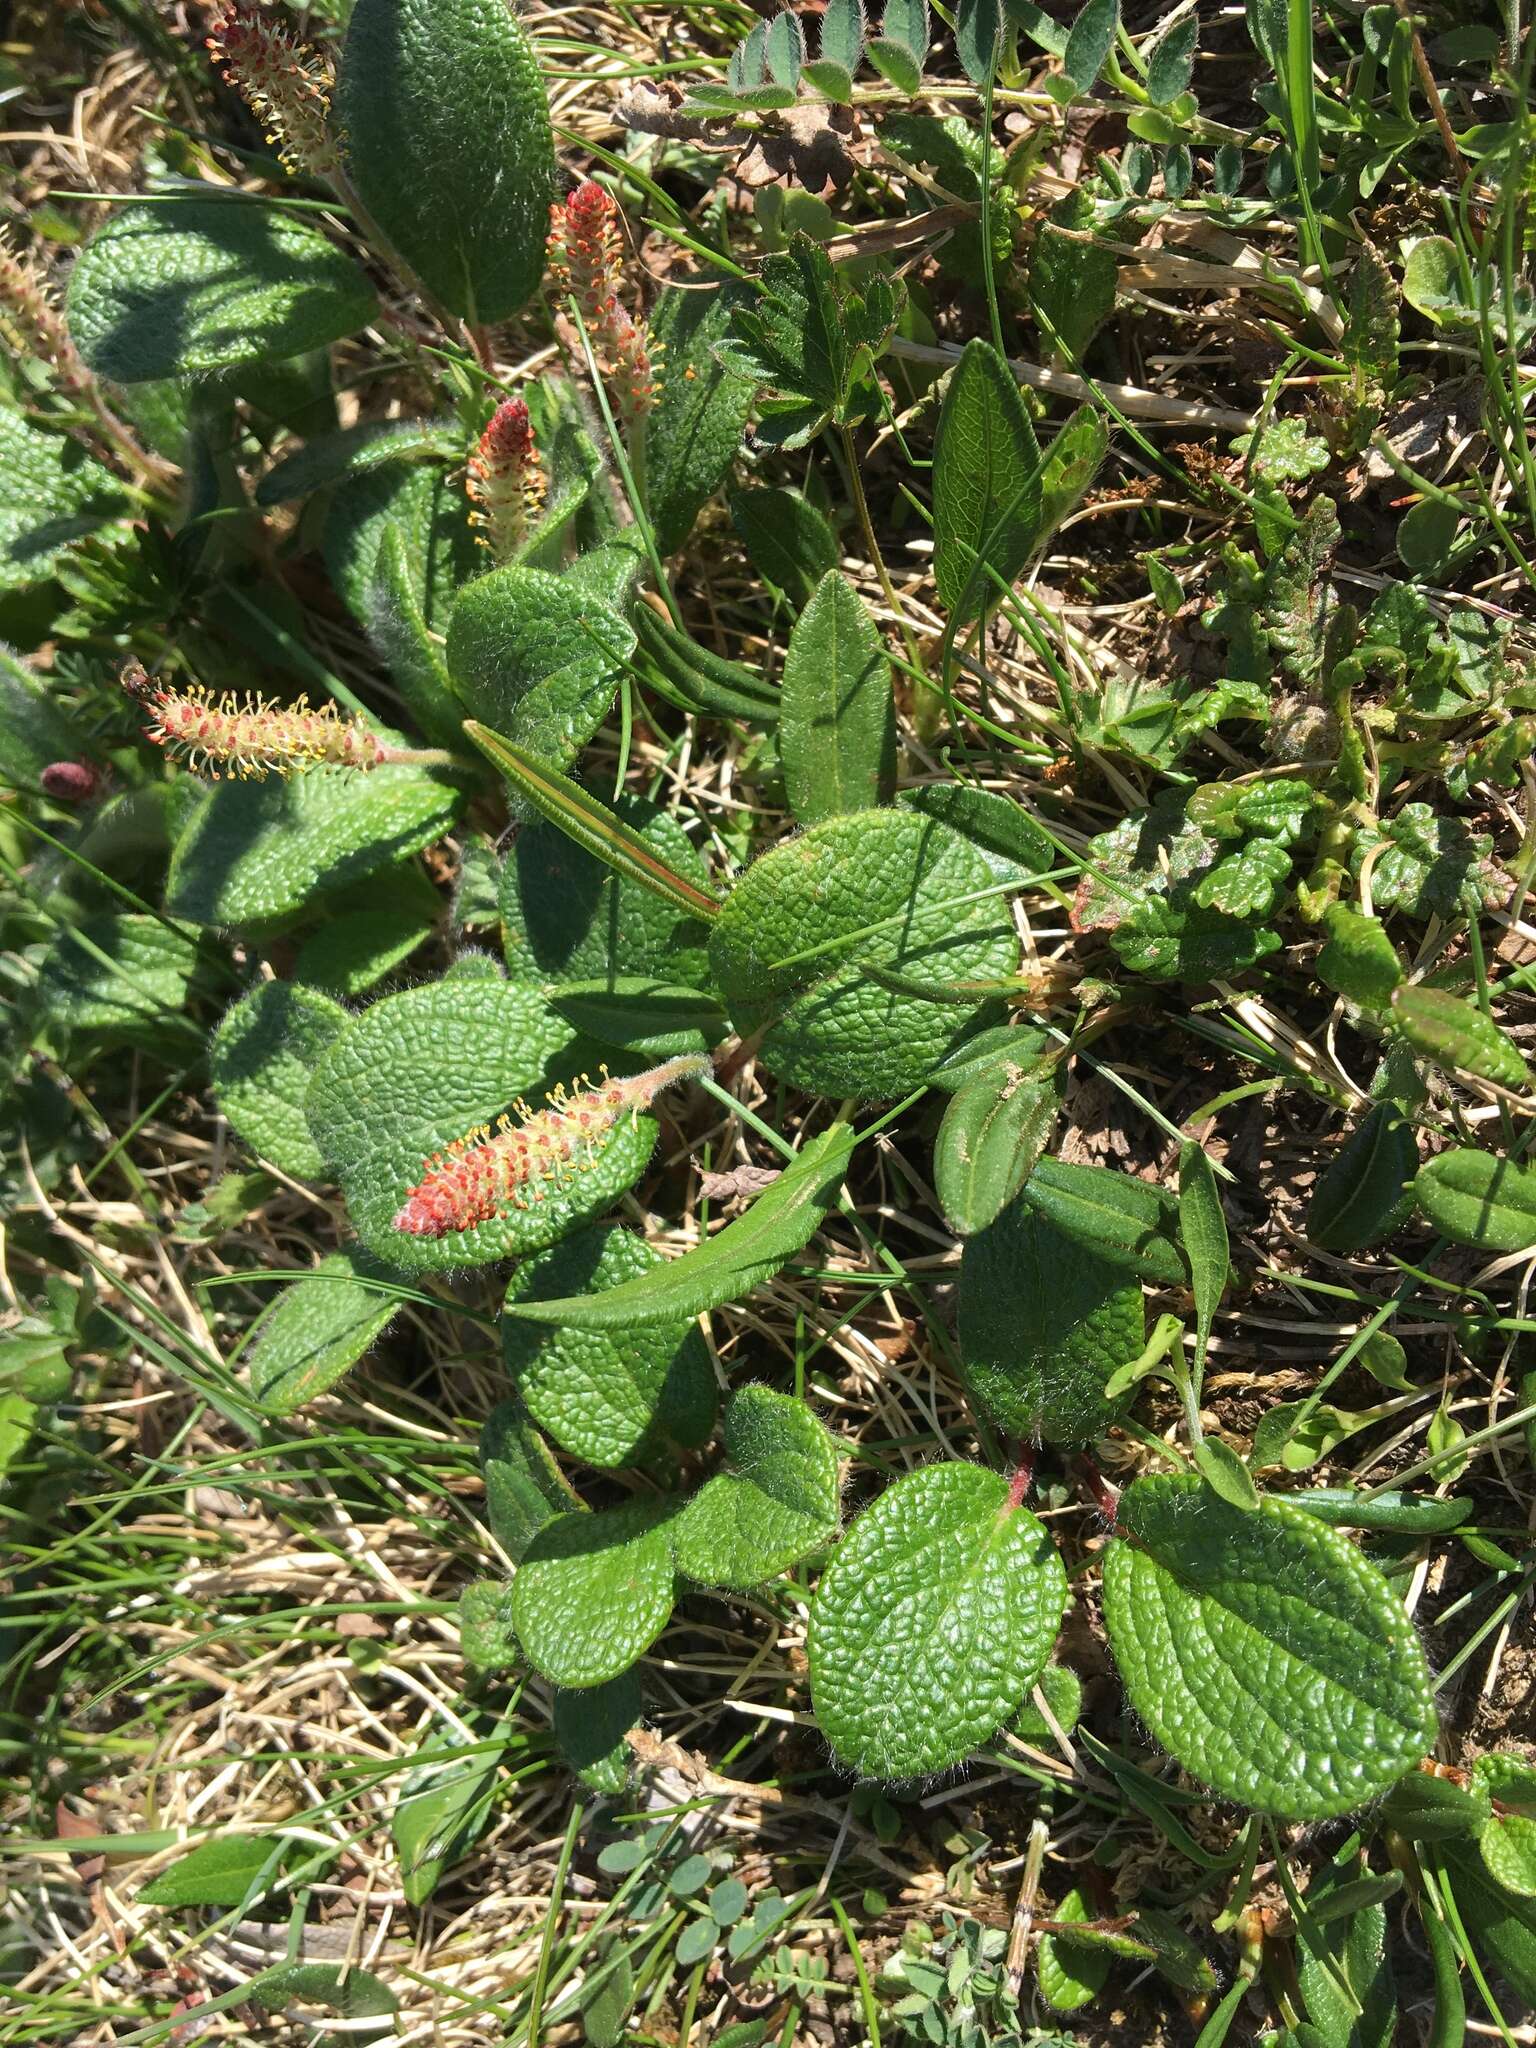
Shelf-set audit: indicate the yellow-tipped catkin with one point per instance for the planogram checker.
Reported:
(285, 86)
(250, 736)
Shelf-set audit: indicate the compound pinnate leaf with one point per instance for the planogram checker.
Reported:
(837, 717)
(593, 1592)
(986, 483)
(590, 1727)
(1473, 1198)
(446, 137)
(1044, 1322)
(695, 430)
(420, 1070)
(205, 284)
(568, 916)
(1263, 1651)
(793, 947)
(317, 1330)
(254, 854)
(605, 1400)
(524, 1486)
(934, 1618)
(779, 1504)
(51, 493)
(724, 1268)
(536, 659)
(1121, 1219)
(1368, 1188)
(260, 1063)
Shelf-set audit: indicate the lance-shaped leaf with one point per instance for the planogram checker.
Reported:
(1263, 1651)
(446, 139)
(698, 679)
(933, 1620)
(1457, 1036)
(592, 825)
(694, 431)
(986, 484)
(1368, 1188)
(791, 545)
(1120, 1218)
(726, 1267)
(837, 721)
(444, 1804)
(993, 1133)
(1474, 1198)
(779, 1504)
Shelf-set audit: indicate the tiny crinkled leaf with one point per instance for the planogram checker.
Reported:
(260, 1063)
(1062, 1692)
(445, 134)
(606, 1400)
(1429, 864)
(933, 1619)
(986, 483)
(1367, 1189)
(1263, 1651)
(524, 1486)
(536, 659)
(594, 1591)
(317, 1329)
(590, 1726)
(779, 1503)
(568, 916)
(725, 1267)
(793, 948)
(1246, 883)
(417, 1072)
(442, 1808)
(993, 1132)
(253, 854)
(1044, 1321)
(51, 494)
(1508, 1838)
(837, 715)
(208, 283)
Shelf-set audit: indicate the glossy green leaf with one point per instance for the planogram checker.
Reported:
(593, 1592)
(993, 1133)
(1508, 1839)
(1456, 1035)
(442, 1809)
(51, 493)
(1203, 1234)
(253, 854)
(1430, 1809)
(208, 283)
(1367, 1188)
(606, 1400)
(592, 825)
(1263, 1651)
(1062, 1691)
(417, 1071)
(1124, 1220)
(230, 1871)
(794, 947)
(316, 1329)
(1070, 1974)
(837, 718)
(779, 1503)
(725, 1267)
(1476, 1199)
(1358, 959)
(934, 1618)
(446, 139)
(986, 483)
(260, 1063)
(1044, 1321)
(524, 1486)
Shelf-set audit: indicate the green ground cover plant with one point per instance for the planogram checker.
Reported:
(769, 809)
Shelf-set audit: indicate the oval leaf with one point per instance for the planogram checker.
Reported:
(593, 1592)
(317, 1330)
(780, 1503)
(1475, 1199)
(261, 1061)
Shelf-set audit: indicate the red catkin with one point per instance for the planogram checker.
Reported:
(284, 85)
(506, 479)
(518, 1165)
(250, 737)
(587, 256)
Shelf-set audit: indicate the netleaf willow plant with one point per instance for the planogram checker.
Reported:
(513, 538)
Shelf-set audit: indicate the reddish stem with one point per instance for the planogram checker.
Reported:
(1106, 1498)
(1020, 1478)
